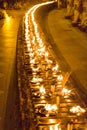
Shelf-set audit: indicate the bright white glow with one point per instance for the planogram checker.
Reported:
(35, 69)
(77, 110)
(32, 61)
(49, 61)
(65, 92)
(42, 90)
(60, 78)
(36, 80)
(55, 68)
(46, 54)
(50, 107)
(55, 127)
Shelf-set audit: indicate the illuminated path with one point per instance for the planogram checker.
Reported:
(39, 73)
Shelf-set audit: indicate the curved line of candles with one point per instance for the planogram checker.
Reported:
(37, 49)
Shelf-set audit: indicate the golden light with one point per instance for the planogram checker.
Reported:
(32, 61)
(42, 90)
(50, 107)
(35, 69)
(37, 48)
(55, 127)
(7, 18)
(33, 40)
(40, 79)
(77, 110)
(28, 44)
(31, 54)
(60, 78)
(30, 49)
(40, 43)
(55, 68)
(46, 54)
(42, 49)
(36, 80)
(49, 61)
(54, 107)
(66, 92)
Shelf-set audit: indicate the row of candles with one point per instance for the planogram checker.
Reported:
(46, 71)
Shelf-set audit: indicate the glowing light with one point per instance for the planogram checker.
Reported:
(42, 90)
(36, 47)
(49, 61)
(30, 49)
(50, 107)
(46, 54)
(36, 79)
(55, 127)
(35, 69)
(31, 54)
(32, 61)
(65, 92)
(60, 78)
(28, 44)
(7, 18)
(77, 110)
(55, 68)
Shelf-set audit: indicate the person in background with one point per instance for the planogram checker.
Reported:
(83, 24)
(64, 3)
(69, 9)
(59, 3)
(77, 12)
(5, 5)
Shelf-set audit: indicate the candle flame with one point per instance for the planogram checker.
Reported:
(77, 110)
